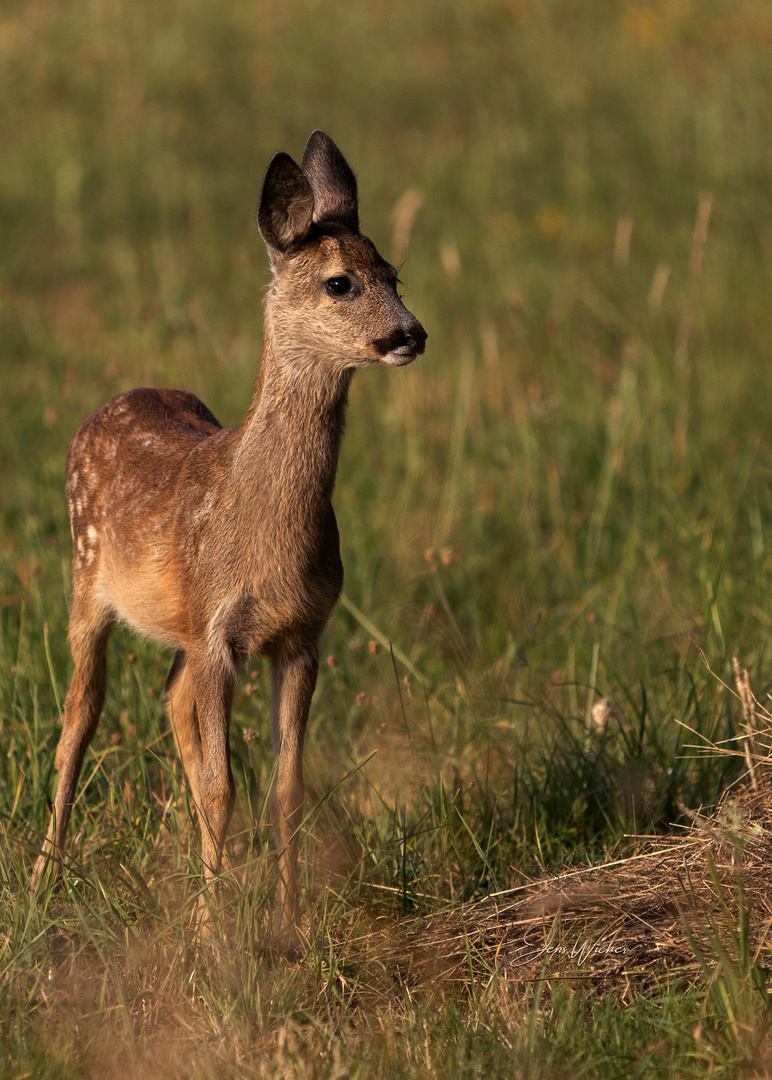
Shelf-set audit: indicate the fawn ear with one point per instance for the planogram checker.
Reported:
(286, 209)
(332, 181)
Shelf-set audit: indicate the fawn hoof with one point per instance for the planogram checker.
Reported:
(289, 943)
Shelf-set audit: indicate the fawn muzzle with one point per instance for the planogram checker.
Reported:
(402, 345)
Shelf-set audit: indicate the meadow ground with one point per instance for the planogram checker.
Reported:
(566, 499)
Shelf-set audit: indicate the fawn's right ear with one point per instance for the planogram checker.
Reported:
(286, 209)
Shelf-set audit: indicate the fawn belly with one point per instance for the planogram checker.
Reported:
(145, 596)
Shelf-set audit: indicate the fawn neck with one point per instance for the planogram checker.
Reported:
(287, 456)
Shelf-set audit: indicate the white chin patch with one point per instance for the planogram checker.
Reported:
(398, 358)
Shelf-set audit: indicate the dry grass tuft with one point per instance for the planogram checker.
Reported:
(638, 918)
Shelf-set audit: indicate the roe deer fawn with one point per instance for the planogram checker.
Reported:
(221, 543)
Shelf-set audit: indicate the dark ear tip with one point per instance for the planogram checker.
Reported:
(282, 170)
(318, 144)
(281, 164)
(317, 136)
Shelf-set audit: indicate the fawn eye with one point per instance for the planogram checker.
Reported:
(338, 286)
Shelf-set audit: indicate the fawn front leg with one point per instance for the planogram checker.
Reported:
(294, 680)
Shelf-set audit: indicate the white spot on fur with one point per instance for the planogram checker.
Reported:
(204, 510)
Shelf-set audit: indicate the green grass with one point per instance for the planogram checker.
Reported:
(567, 497)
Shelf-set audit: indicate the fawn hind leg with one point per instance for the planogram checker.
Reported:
(89, 631)
(183, 717)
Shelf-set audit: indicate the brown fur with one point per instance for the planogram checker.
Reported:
(222, 543)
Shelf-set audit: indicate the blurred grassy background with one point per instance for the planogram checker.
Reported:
(567, 497)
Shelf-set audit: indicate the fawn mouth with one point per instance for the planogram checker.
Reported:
(401, 347)
(403, 355)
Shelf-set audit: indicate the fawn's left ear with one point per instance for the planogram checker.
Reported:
(332, 182)
(286, 209)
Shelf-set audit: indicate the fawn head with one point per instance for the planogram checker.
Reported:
(333, 300)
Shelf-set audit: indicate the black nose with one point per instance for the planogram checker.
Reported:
(416, 336)
(409, 339)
